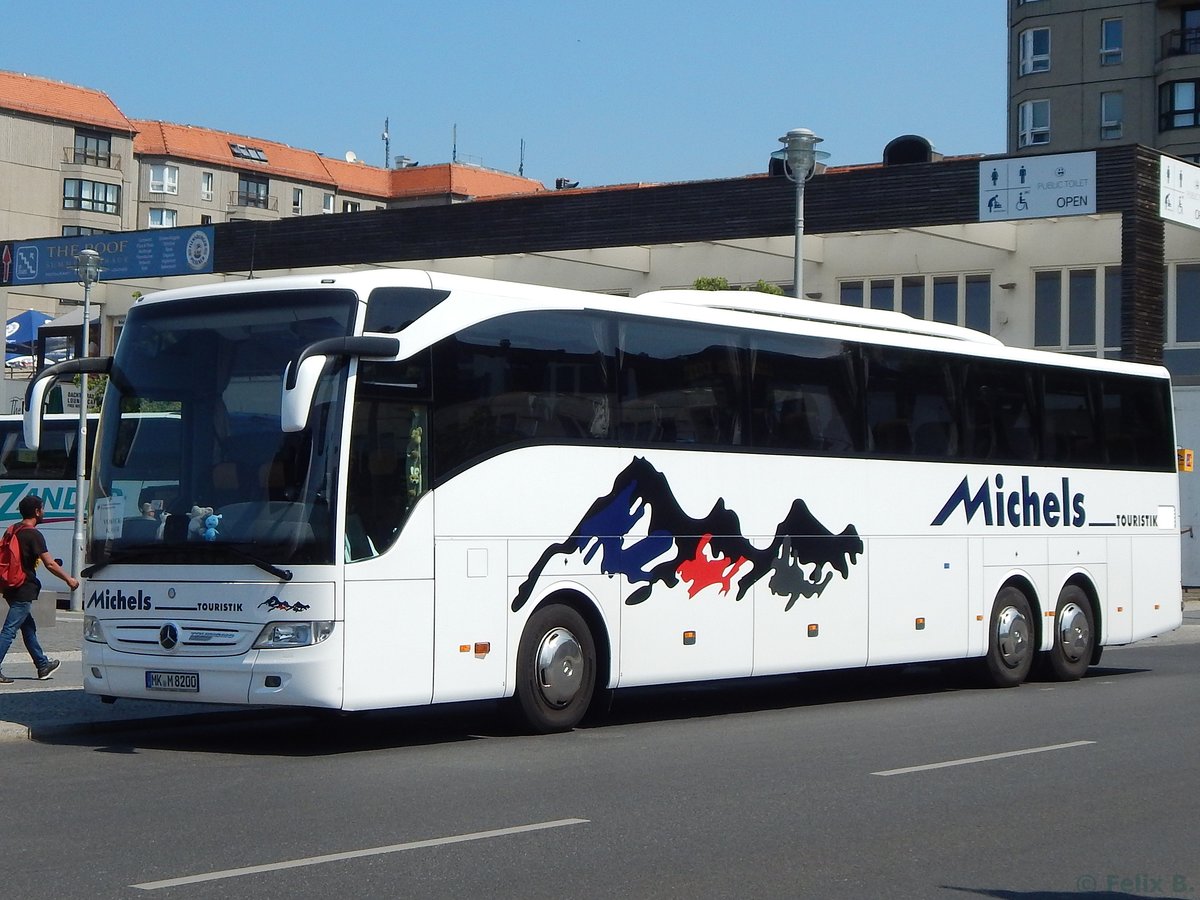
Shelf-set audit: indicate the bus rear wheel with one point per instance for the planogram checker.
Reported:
(1010, 639)
(1074, 635)
(556, 669)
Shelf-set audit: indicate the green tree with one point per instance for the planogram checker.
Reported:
(721, 283)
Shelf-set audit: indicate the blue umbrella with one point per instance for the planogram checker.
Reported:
(20, 333)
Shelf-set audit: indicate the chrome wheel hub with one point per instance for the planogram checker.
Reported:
(559, 667)
(1074, 635)
(1012, 637)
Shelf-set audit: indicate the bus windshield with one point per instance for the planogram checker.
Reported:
(191, 463)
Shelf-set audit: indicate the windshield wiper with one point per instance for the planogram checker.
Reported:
(133, 553)
(281, 574)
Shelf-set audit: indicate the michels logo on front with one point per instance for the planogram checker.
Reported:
(1016, 508)
(108, 599)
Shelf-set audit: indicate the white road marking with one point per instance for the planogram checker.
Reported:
(356, 854)
(978, 759)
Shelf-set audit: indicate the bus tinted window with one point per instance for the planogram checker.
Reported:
(54, 459)
(1136, 417)
(1000, 421)
(528, 377)
(803, 394)
(911, 405)
(1069, 425)
(680, 384)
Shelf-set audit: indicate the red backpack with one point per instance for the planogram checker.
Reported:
(12, 573)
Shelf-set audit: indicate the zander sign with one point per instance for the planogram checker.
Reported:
(1037, 187)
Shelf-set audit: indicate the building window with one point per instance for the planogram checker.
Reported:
(327, 203)
(1177, 105)
(1112, 308)
(1088, 314)
(91, 196)
(977, 303)
(162, 218)
(93, 149)
(1081, 308)
(956, 300)
(241, 151)
(164, 179)
(82, 231)
(912, 296)
(883, 294)
(351, 206)
(945, 299)
(298, 201)
(1112, 115)
(1035, 51)
(206, 186)
(1033, 123)
(1112, 41)
(252, 191)
(205, 220)
(1047, 309)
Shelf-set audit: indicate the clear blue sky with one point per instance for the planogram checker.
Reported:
(601, 92)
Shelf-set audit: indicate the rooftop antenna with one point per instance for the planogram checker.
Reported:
(521, 167)
(387, 146)
(454, 144)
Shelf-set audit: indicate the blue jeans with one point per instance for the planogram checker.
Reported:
(20, 618)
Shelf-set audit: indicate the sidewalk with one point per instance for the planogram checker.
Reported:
(32, 709)
(56, 707)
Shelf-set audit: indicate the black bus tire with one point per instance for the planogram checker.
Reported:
(556, 670)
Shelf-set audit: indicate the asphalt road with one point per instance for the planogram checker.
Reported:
(900, 783)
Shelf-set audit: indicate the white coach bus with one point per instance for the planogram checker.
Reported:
(398, 487)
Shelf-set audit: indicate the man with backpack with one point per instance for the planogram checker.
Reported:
(32, 547)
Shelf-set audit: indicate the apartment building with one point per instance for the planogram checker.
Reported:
(1084, 74)
(72, 164)
(189, 175)
(66, 160)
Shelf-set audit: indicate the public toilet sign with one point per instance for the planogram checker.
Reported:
(1037, 187)
(1179, 191)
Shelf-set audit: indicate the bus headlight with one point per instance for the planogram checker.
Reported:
(92, 630)
(276, 635)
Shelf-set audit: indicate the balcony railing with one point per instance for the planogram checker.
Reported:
(101, 159)
(254, 201)
(1181, 42)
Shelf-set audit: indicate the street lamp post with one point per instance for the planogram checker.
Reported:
(89, 269)
(802, 157)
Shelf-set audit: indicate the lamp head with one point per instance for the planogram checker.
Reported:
(801, 153)
(87, 264)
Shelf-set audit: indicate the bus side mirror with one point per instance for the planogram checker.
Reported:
(35, 394)
(303, 374)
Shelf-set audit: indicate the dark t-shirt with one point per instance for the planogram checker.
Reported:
(33, 545)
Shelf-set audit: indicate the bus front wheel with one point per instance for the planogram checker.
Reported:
(1010, 639)
(1074, 635)
(556, 669)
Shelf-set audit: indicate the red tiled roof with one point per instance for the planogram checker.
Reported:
(55, 100)
(207, 145)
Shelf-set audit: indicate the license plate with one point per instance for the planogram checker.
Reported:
(188, 682)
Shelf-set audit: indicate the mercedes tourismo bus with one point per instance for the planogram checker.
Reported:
(397, 487)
